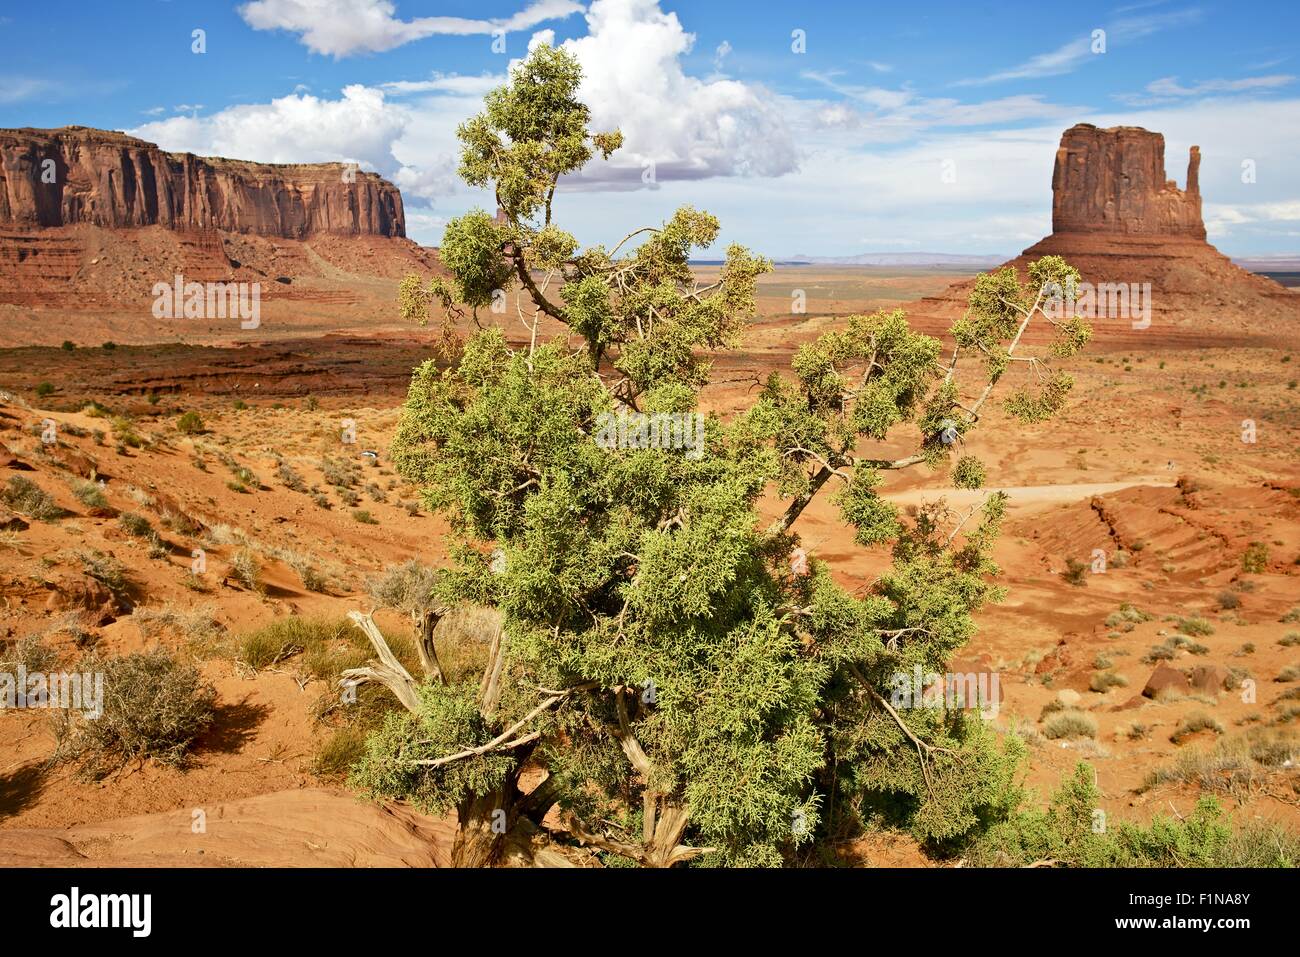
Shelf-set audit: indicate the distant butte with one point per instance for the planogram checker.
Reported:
(91, 220)
(75, 175)
(1117, 219)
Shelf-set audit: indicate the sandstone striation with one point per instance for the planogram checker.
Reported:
(77, 175)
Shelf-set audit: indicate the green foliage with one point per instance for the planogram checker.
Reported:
(661, 650)
(1255, 559)
(449, 723)
(191, 423)
(1067, 834)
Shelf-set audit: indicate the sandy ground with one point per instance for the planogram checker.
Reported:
(1105, 475)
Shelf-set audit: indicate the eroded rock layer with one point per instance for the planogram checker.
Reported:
(78, 175)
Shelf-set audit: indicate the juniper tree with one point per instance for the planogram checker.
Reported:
(680, 687)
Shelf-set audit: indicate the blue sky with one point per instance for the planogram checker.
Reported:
(907, 127)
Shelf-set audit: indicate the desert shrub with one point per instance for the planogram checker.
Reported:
(125, 434)
(272, 644)
(320, 500)
(408, 587)
(1238, 766)
(1065, 834)
(109, 346)
(154, 707)
(338, 752)
(376, 493)
(25, 496)
(1197, 627)
(197, 625)
(289, 478)
(311, 577)
(136, 525)
(31, 652)
(1164, 652)
(1069, 724)
(247, 569)
(1193, 723)
(364, 517)
(190, 423)
(89, 494)
(1290, 639)
(1289, 673)
(106, 570)
(1255, 559)
(340, 472)
(68, 345)
(1291, 616)
(1103, 681)
(1228, 601)
(44, 389)
(1076, 571)
(348, 497)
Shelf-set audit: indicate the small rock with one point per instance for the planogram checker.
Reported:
(1165, 678)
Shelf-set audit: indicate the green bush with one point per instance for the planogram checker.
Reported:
(1070, 833)
(1255, 558)
(191, 423)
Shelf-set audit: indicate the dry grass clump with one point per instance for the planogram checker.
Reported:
(1195, 722)
(1238, 765)
(26, 497)
(154, 707)
(198, 625)
(31, 653)
(406, 587)
(1069, 723)
(1103, 681)
(246, 568)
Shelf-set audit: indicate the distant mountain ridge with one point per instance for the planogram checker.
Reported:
(900, 259)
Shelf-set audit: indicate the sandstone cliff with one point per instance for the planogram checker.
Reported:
(1113, 181)
(110, 179)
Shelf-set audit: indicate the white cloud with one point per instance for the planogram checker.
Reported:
(1070, 56)
(689, 128)
(15, 89)
(298, 128)
(721, 54)
(1168, 89)
(341, 28)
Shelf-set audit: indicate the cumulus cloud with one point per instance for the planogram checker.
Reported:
(687, 127)
(341, 28)
(359, 127)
